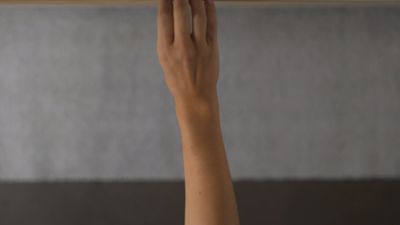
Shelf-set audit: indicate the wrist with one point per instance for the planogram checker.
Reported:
(197, 109)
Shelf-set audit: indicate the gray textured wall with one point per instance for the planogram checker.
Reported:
(305, 92)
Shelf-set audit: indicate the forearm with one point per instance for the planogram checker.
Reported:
(189, 57)
(209, 193)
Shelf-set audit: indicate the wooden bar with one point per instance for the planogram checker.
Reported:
(132, 2)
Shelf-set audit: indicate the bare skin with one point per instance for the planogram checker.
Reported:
(190, 61)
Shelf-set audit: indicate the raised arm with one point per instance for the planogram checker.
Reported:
(190, 61)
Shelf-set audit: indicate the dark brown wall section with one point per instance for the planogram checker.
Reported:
(369, 202)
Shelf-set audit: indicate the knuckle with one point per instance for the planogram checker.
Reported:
(162, 42)
(201, 43)
(211, 40)
(181, 44)
(182, 49)
(162, 53)
(189, 56)
(198, 16)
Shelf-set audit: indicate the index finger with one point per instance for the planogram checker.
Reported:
(212, 32)
(181, 21)
(165, 22)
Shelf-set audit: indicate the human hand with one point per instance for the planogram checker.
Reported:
(189, 57)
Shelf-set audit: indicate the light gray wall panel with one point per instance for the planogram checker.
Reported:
(307, 92)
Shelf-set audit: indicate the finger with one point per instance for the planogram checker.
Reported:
(199, 19)
(165, 25)
(181, 20)
(211, 12)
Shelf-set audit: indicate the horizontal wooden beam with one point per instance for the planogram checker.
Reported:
(128, 2)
